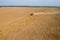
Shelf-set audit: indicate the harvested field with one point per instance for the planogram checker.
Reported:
(17, 23)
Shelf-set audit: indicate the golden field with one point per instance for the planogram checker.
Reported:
(16, 23)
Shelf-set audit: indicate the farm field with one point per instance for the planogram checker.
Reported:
(16, 23)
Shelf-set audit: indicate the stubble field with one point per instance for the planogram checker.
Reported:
(16, 23)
